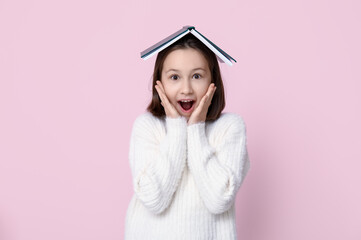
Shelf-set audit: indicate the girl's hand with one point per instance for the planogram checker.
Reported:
(169, 109)
(200, 113)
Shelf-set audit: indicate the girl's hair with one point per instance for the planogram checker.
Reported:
(189, 41)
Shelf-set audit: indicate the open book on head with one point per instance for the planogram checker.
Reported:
(221, 55)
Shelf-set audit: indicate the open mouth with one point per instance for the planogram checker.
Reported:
(186, 106)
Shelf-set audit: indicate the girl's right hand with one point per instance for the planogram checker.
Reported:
(168, 107)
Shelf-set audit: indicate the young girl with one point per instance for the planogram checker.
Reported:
(188, 159)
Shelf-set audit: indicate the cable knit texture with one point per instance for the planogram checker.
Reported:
(185, 177)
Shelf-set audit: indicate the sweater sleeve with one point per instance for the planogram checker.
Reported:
(157, 165)
(218, 171)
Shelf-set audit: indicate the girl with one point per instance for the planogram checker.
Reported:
(188, 159)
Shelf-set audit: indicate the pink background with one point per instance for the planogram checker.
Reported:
(72, 82)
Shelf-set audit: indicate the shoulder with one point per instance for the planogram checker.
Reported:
(147, 117)
(229, 119)
(227, 127)
(146, 122)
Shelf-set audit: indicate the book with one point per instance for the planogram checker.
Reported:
(222, 56)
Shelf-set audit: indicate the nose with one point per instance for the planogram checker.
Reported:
(187, 87)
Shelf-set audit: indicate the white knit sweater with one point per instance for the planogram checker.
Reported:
(185, 178)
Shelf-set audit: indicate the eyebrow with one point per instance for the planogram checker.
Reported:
(176, 70)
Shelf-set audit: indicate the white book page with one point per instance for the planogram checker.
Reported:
(219, 54)
(166, 45)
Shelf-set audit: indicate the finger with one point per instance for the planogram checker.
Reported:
(212, 87)
(212, 94)
(160, 89)
(157, 84)
(159, 92)
(208, 95)
(161, 86)
(165, 98)
(203, 101)
(161, 96)
(211, 91)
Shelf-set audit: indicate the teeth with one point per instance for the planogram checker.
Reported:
(187, 101)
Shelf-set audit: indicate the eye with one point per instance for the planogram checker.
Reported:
(174, 77)
(197, 76)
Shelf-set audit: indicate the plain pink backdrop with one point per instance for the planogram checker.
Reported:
(72, 82)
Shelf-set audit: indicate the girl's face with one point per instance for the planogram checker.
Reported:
(185, 75)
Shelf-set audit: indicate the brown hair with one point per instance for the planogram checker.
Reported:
(189, 41)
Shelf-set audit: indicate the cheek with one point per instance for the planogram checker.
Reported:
(170, 93)
(204, 85)
(202, 91)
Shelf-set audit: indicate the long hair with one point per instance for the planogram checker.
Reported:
(189, 41)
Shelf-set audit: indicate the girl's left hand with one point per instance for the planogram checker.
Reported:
(200, 113)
